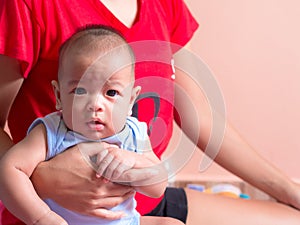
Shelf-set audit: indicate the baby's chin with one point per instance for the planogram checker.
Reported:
(97, 135)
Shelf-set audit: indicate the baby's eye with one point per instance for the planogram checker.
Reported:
(79, 91)
(112, 93)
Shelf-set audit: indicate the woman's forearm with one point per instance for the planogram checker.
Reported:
(228, 149)
(10, 81)
(240, 158)
(5, 142)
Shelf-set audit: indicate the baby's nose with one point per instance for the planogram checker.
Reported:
(96, 104)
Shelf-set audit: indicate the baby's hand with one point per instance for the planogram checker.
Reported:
(51, 218)
(113, 162)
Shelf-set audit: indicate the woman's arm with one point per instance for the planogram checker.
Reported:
(10, 83)
(234, 153)
(17, 192)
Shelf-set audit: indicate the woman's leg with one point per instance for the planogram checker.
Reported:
(155, 220)
(210, 209)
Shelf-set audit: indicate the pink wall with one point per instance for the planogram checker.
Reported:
(253, 48)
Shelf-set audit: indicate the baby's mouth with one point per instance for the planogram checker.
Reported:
(96, 125)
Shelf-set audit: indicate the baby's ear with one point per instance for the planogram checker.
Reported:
(134, 94)
(56, 91)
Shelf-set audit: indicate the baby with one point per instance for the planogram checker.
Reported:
(94, 93)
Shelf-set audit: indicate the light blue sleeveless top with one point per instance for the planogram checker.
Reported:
(60, 138)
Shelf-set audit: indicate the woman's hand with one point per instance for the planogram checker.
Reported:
(293, 195)
(72, 183)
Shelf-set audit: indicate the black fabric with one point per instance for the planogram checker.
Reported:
(174, 204)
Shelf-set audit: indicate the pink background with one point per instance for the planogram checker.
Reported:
(253, 49)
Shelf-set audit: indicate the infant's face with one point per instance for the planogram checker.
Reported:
(96, 97)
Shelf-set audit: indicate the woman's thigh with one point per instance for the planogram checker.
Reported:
(210, 209)
(155, 220)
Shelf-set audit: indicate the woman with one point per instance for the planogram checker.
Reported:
(31, 32)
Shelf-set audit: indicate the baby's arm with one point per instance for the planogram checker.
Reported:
(17, 192)
(119, 166)
(155, 185)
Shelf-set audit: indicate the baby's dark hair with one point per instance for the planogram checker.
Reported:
(95, 37)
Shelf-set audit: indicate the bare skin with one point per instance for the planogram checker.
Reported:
(10, 86)
(98, 195)
(208, 208)
(237, 156)
(212, 209)
(126, 13)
